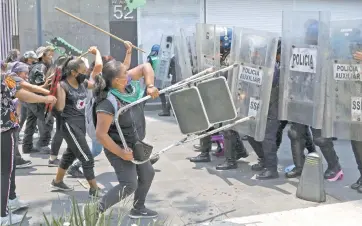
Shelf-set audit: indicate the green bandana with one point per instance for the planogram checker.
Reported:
(136, 94)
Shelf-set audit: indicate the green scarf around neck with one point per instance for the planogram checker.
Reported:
(136, 94)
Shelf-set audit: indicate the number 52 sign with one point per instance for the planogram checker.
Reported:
(119, 11)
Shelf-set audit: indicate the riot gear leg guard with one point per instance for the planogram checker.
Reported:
(205, 150)
(165, 108)
(230, 140)
(357, 151)
(281, 128)
(309, 142)
(240, 150)
(297, 138)
(334, 171)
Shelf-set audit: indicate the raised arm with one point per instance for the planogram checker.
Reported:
(98, 64)
(128, 57)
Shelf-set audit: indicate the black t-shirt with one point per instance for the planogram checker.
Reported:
(75, 101)
(132, 122)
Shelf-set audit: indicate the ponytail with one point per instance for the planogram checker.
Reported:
(100, 89)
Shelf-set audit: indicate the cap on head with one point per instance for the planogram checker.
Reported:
(226, 37)
(42, 49)
(30, 55)
(20, 67)
(155, 49)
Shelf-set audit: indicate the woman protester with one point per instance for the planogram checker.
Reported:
(125, 88)
(20, 73)
(72, 93)
(11, 89)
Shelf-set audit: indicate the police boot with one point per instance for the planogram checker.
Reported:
(358, 184)
(165, 109)
(258, 166)
(230, 140)
(205, 151)
(267, 174)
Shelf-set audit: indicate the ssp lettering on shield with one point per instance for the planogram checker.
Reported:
(254, 107)
(356, 108)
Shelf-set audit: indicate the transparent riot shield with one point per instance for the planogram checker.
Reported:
(304, 57)
(207, 46)
(182, 58)
(343, 114)
(251, 82)
(191, 44)
(163, 78)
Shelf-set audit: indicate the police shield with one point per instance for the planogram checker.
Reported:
(251, 82)
(163, 78)
(207, 46)
(182, 58)
(191, 44)
(304, 58)
(343, 114)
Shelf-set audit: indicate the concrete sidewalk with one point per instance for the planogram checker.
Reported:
(348, 213)
(186, 193)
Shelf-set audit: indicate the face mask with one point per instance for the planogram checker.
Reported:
(80, 78)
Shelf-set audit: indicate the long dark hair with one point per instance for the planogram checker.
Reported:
(69, 64)
(103, 83)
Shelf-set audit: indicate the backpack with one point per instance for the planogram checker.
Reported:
(91, 116)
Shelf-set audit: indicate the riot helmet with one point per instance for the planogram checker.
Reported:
(311, 32)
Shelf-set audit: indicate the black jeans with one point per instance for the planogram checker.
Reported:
(131, 178)
(58, 136)
(35, 117)
(77, 148)
(267, 149)
(8, 143)
(357, 151)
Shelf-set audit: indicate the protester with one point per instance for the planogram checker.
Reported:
(72, 94)
(11, 89)
(131, 177)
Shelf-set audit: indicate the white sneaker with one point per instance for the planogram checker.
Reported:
(17, 204)
(15, 219)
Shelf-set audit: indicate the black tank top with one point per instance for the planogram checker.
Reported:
(75, 101)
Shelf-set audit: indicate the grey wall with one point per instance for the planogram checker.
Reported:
(57, 24)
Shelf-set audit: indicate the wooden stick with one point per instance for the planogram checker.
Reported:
(99, 29)
(83, 54)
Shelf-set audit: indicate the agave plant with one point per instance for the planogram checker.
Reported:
(87, 215)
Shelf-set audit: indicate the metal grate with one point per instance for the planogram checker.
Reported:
(9, 27)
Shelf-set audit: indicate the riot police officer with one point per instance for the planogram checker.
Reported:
(232, 138)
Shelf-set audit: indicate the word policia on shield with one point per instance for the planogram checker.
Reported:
(304, 60)
(348, 72)
(99, 29)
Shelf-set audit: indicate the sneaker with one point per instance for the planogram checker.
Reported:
(74, 172)
(142, 213)
(95, 193)
(17, 204)
(15, 219)
(22, 163)
(53, 163)
(60, 186)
